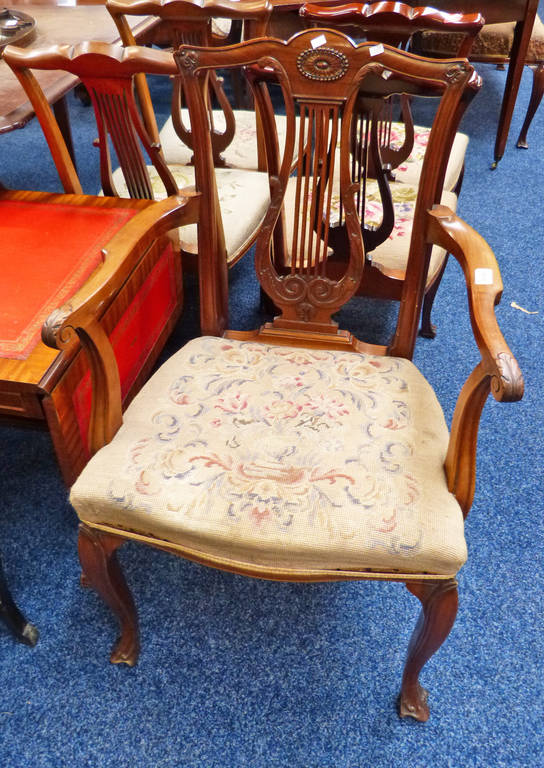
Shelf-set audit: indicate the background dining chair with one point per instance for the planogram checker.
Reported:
(233, 201)
(493, 45)
(52, 244)
(236, 139)
(402, 144)
(297, 452)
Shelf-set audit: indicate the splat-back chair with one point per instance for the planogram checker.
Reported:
(233, 201)
(54, 245)
(297, 452)
(236, 140)
(402, 145)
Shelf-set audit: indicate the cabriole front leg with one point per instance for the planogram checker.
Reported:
(101, 570)
(439, 609)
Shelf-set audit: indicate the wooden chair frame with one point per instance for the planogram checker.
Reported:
(186, 21)
(311, 325)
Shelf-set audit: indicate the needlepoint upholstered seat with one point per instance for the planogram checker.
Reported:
(283, 457)
(296, 451)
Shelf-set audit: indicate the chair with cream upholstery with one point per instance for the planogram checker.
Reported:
(233, 201)
(236, 142)
(403, 144)
(494, 44)
(298, 452)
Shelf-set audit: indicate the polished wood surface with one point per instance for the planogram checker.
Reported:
(395, 23)
(523, 12)
(56, 23)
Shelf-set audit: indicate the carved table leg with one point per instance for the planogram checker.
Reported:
(439, 609)
(12, 616)
(536, 97)
(98, 558)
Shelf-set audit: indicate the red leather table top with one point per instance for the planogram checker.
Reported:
(46, 254)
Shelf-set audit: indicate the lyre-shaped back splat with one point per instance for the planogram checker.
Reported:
(310, 252)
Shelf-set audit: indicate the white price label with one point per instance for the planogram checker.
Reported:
(375, 50)
(483, 276)
(317, 41)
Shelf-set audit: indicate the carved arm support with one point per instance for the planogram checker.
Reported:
(498, 371)
(80, 316)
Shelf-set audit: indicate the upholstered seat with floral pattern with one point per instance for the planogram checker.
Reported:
(285, 457)
(241, 152)
(244, 197)
(392, 255)
(409, 171)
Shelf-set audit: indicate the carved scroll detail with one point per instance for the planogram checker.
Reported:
(510, 383)
(52, 326)
(187, 60)
(322, 64)
(456, 72)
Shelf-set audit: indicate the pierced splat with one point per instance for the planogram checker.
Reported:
(190, 22)
(119, 120)
(394, 24)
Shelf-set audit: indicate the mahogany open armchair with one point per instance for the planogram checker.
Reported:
(233, 200)
(296, 451)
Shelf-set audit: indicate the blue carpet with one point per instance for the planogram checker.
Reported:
(236, 672)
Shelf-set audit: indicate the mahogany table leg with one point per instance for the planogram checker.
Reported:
(12, 616)
(522, 36)
(536, 97)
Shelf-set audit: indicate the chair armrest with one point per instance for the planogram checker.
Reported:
(497, 371)
(484, 287)
(79, 318)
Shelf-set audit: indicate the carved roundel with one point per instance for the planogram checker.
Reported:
(322, 64)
